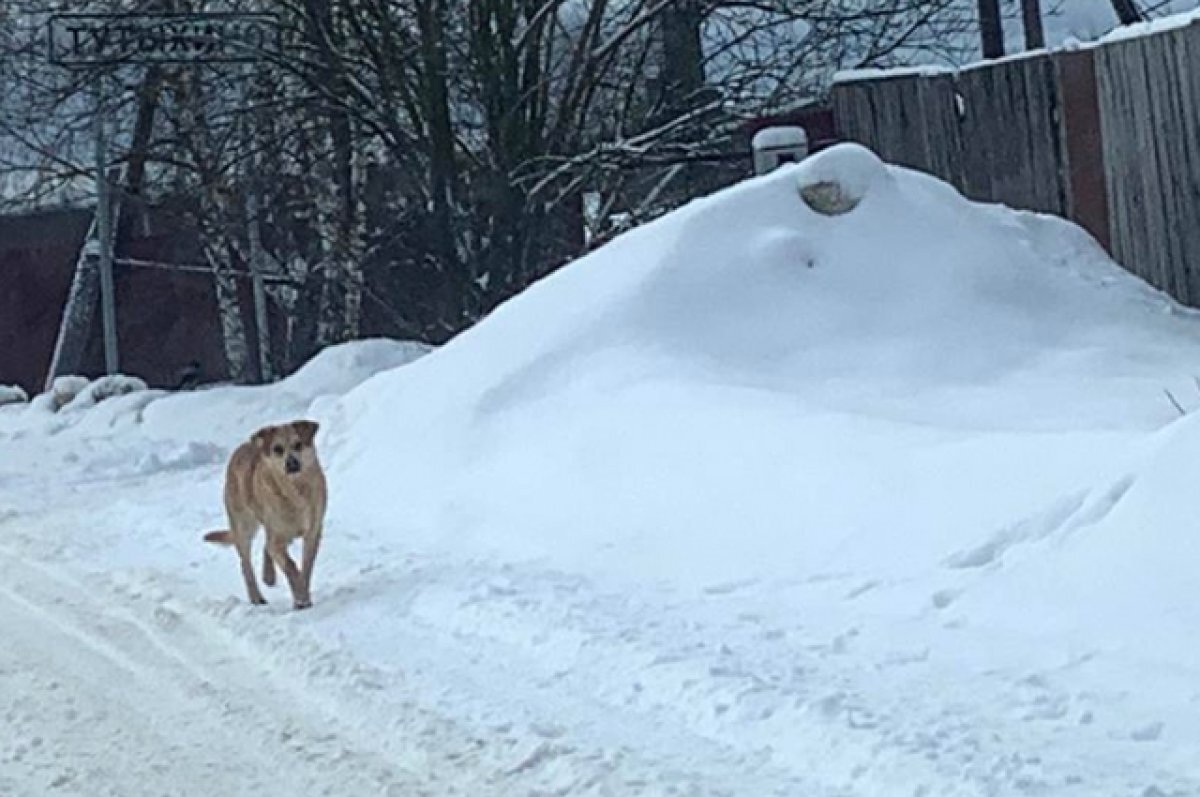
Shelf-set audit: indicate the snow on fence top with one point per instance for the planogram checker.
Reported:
(1151, 27)
(1122, 33)
(852, 75)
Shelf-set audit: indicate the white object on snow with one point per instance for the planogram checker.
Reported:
(62, 392)
(103, 388)
(775, 146)
(12, 394)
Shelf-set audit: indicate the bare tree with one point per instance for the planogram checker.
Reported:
(1031, 20)
(1128, 11)
(991, 29)
(427, 159)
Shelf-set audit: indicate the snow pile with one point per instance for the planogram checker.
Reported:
(225, 415)
(924, 429)
(75, 393)
(1118, 570)
(62, 392)
(730, 379)
(217, 416)
(12, 394)
(106, 387)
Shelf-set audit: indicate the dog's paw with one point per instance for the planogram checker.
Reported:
(259, 600)
(302, 604)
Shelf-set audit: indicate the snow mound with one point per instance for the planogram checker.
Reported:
(337, 369)
(1120, 569)
(106, 387)
(62, 392)
(218, 416)
(747, 386)
(225, 415)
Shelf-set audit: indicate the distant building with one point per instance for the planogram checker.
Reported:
(167, 323)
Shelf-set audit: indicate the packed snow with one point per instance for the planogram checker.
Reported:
(13, 394)
(752, 500)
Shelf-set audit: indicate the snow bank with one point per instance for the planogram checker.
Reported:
(12, 394)
(224, 415)
(62, 392)
(106, 387)
(1151, 27)
(217, 416)
(748, 388)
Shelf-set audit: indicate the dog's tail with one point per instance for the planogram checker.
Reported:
(224, 537)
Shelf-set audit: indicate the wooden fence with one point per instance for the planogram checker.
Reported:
(1108, 136)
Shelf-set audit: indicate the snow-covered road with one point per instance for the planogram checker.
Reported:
(101, 699)
(126, 679)
(421, 674)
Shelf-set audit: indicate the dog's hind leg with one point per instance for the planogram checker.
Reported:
(277, 546)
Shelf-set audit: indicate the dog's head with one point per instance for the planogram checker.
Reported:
(288, 448)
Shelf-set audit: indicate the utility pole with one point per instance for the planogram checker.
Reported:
(90, 41)
(254, 231)
(104, 234)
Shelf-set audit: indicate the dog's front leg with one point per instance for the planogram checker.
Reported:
(243, 551)
(268, 567)
(312, 544)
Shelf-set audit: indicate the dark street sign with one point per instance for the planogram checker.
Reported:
(93, 39)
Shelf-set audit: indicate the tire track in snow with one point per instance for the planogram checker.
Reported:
(96, 702)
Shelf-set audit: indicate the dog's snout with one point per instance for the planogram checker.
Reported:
(291, 464)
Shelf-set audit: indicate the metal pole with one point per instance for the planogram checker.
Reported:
(256, 251)
(104, 234)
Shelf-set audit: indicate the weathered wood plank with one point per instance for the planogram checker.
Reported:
(1124, 159)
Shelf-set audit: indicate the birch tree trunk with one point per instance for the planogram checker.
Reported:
(217, 227)
(1128, 12)
(991, 30)
(340, 310)
(229, 308)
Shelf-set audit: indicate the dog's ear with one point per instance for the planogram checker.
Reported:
(262, 438)
(307, 430)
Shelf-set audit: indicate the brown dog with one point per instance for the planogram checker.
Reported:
(275, 481)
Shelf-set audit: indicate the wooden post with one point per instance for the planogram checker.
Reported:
(104, 235)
